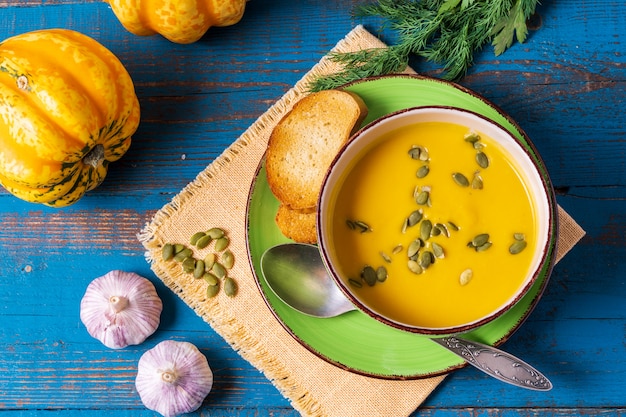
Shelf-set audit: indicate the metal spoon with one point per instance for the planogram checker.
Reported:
(296, 274)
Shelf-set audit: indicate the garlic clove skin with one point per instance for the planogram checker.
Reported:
(173, 378)
(121, 309)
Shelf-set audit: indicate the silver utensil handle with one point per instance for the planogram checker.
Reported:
(496, 363)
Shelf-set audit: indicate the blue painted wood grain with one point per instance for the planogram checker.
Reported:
(566, 87)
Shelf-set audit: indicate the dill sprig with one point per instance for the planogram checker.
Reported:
(446, 32)
(363, 63)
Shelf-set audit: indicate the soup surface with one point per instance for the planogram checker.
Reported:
(464, 269)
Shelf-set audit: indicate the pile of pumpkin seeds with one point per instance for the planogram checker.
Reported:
(213, 268)
(422, 252)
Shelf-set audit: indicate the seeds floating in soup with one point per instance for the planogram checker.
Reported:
(519, 244)
(454, 249)
(358, 225)
(460, 179)
(482, 160)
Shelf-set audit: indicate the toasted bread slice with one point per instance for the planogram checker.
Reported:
(298, 225)
(306, 140)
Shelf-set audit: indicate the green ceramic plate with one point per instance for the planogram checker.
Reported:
(354, 341)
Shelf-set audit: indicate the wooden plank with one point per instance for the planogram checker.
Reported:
(45, 348)
(531, 97)
(565, 87)
(520, 412)
(570, 318)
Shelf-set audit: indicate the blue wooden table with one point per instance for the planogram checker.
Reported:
(566, 87)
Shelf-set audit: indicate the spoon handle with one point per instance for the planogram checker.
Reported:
(496, 363)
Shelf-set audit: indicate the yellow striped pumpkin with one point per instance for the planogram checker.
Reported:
(180, 21)
(67, 109)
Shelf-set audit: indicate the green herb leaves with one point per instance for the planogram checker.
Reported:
(513, 23)
(446, 32)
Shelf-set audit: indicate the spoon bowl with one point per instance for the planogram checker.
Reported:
(296, 273)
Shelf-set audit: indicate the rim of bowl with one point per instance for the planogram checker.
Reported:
(539, 263)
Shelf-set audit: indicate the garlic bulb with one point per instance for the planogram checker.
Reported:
(173, 378)
(121, 309)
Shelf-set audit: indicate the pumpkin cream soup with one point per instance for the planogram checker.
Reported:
(434, 226)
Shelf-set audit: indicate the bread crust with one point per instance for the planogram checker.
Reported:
(306, 140)
(298, 225)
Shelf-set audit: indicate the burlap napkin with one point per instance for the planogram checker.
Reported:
(218, 197)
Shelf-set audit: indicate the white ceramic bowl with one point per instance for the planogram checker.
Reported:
(530, 169)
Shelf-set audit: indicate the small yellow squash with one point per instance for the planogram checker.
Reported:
(67, 109)
(180, 21)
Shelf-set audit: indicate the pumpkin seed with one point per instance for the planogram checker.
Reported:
(471, 137)
(189, 264)
(362, 226)
(210, 278)
(385, 257)
(426, 259)
(369, 275)
(212, 290)
(167, 252)
(209, 260)
(183, 254)
(178, 247)
(414, 247)
(443, 228)
(453, 226)
(419, 153)
(425, 228)
(466, 276)
(397, 249)
(381, 274)
(228, 259)
(219, 270)
(477, 182)
(203, 241)
(415, 152)
(460, 179)
(414, 267)
(415, 217)
(405, 224)
(517, 247)
(230, 287)
(480, 242)
(221, 243)
(483, 247)
(355, 283)
(358, 225)
(422, 197)
(198, 270)
(215, 232)
(195, 237)
(437, 250)
(482, 160)
(519, 236)
(480, 239)
(422, 171)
